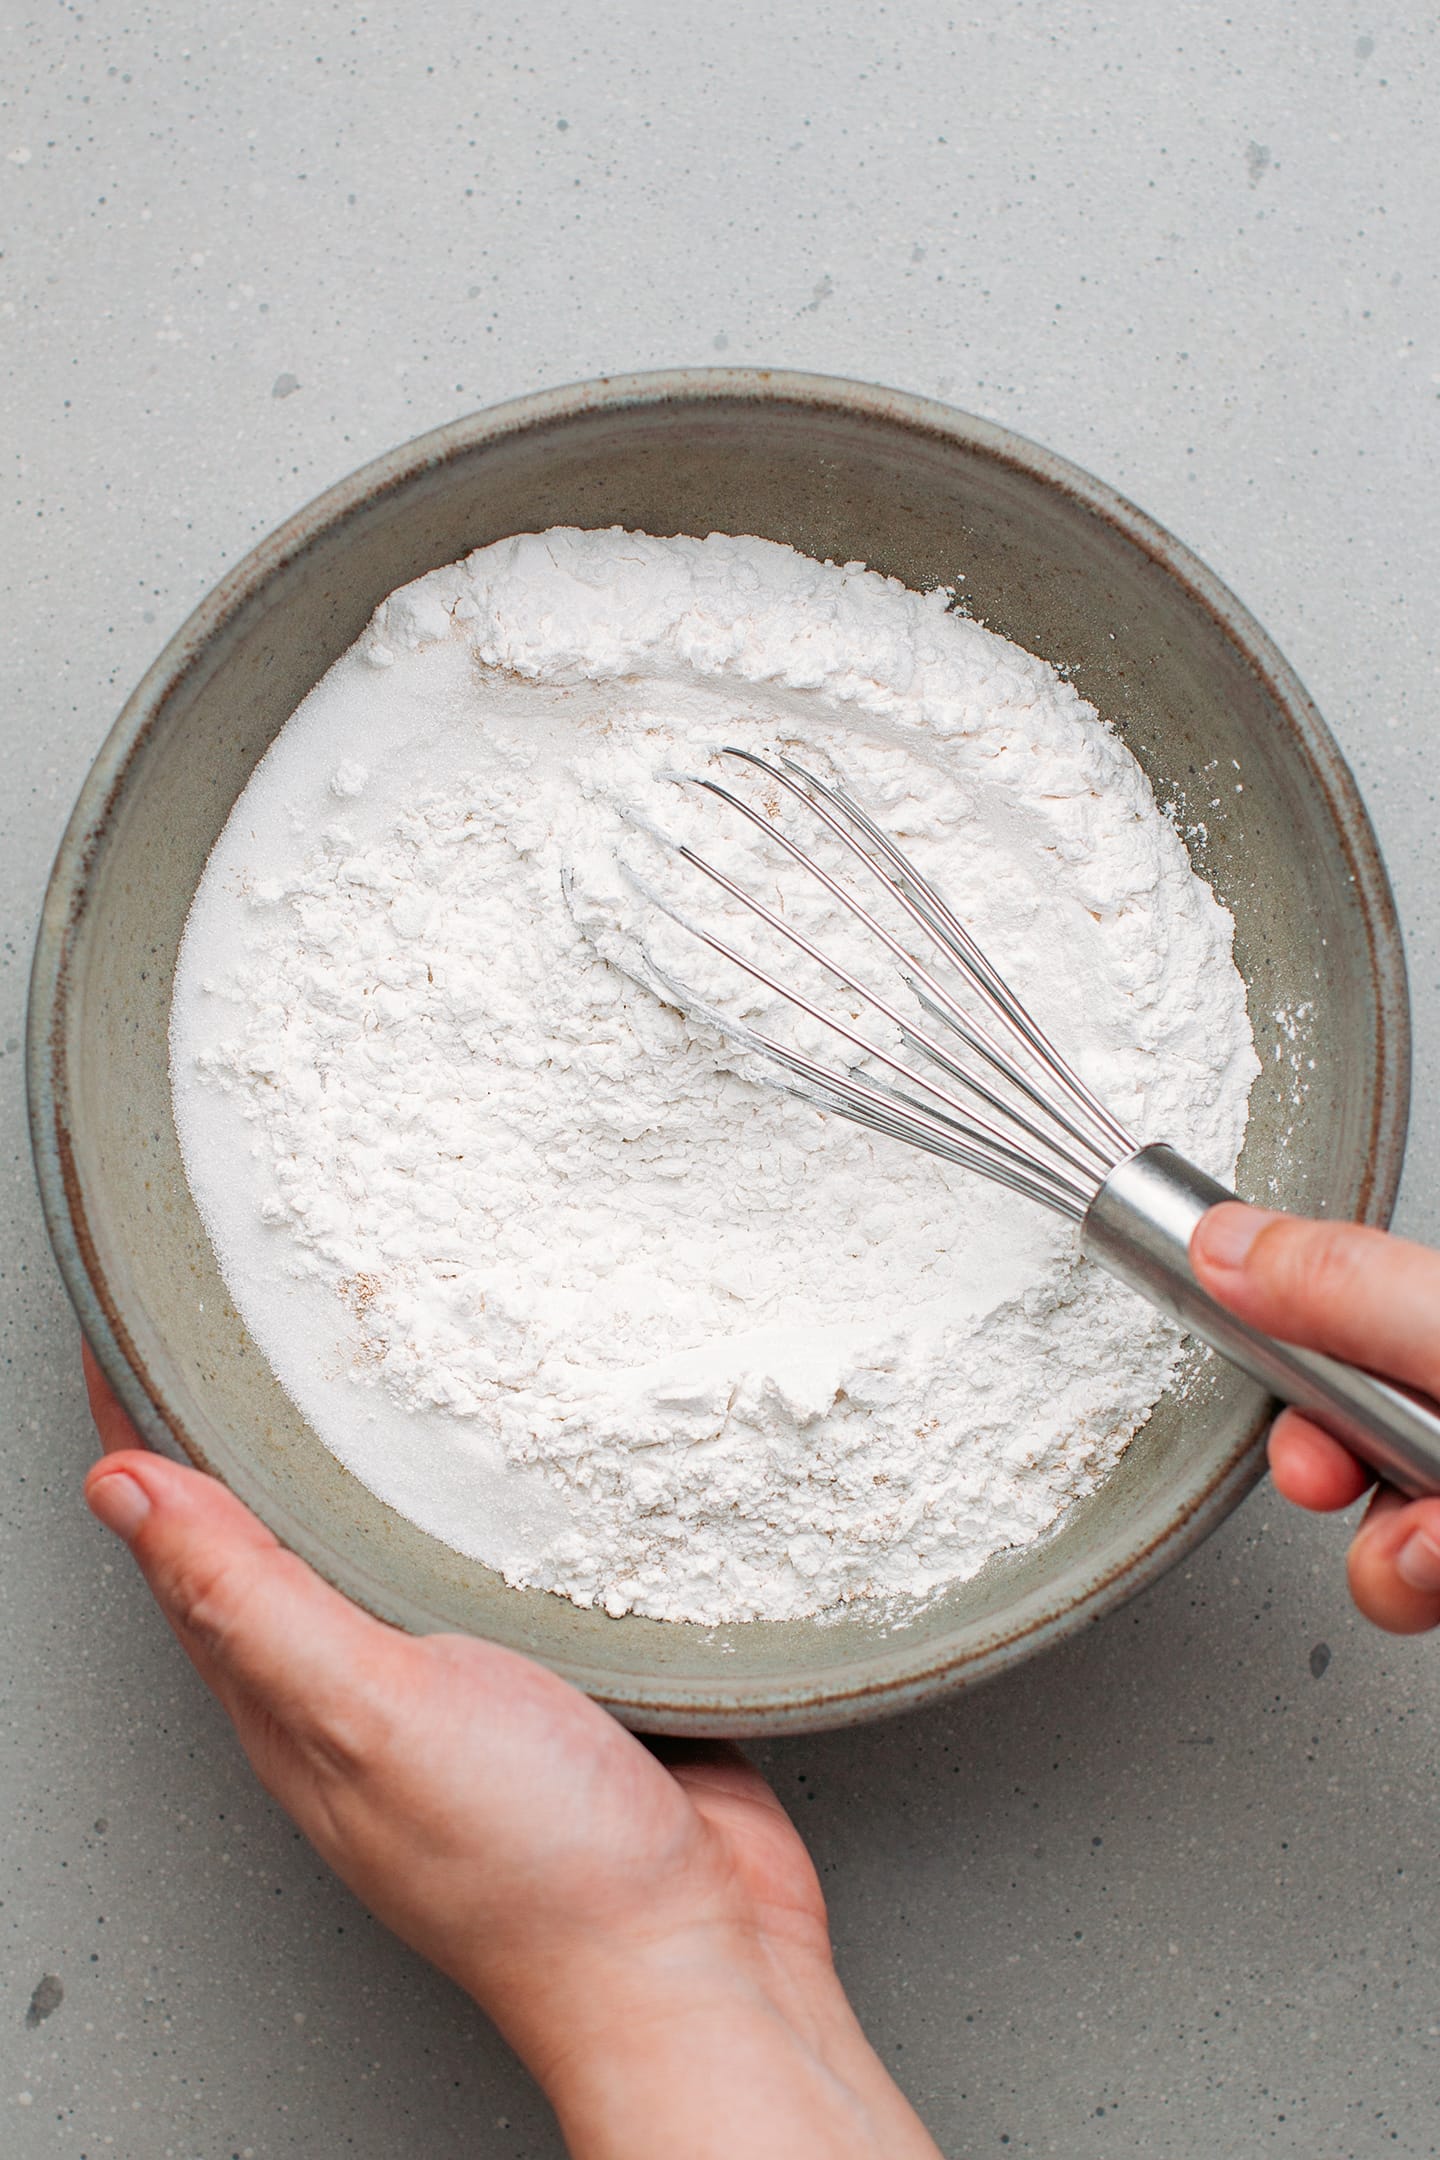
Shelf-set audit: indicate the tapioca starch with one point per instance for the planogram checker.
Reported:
(541, 1263)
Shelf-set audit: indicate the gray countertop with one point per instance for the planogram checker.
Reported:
(1171, 1890)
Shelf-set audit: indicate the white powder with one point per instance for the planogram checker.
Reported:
(539, 1263)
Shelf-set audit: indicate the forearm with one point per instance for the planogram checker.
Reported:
(716, 2060)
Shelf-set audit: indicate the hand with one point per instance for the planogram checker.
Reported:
(1373, 1300)
(644, 1926)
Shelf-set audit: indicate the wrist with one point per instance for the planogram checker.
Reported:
(706, 2046)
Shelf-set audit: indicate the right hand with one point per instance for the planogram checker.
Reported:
(1373, 1300)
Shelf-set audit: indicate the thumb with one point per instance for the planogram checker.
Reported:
(1359, 1294)
(261, 1627)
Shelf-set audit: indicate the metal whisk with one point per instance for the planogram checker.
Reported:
(972, 1079)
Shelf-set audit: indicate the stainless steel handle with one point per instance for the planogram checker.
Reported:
(1139, 1225)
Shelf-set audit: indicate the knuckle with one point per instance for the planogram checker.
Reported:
(348, 1740)
(354, 1729)
(206, 1595)
(1313, 1263)
(346, 1728)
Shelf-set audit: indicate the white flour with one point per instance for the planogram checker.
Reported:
(539, 1264)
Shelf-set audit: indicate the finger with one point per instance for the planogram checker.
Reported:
(1359, 1294)
(1311, 1469)
(1394, 1564)
(717, 1766)
(111, 1421)
(258, 1622)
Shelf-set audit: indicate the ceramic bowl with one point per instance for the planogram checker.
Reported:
(1050, 558)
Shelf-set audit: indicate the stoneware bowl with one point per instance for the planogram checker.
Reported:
(1049, 557)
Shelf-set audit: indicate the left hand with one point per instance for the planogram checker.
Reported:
(648, 1933)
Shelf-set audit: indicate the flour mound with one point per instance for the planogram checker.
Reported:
(535, 1255)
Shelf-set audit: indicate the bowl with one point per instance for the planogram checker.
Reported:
(1049, 557)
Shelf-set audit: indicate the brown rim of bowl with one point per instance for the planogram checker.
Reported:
(775, 1707)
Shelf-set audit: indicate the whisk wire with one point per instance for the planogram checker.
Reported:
(952, 936)
(863, 1105)
(848, 1092)
(913, 1038)
(1048, 1136)
(977, 1037)
(927, 909)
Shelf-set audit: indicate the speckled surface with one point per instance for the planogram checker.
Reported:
(1181, 1873)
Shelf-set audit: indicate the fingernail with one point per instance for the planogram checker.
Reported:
(1231, 1230)
(121, 1502)
(1418, 1561)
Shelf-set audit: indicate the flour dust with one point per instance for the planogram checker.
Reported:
(538, 1260)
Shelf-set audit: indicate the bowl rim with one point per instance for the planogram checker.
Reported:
(660, 1702)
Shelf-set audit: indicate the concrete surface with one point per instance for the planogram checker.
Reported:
(1173, 1891)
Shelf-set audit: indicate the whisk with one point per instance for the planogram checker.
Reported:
(969, 1077)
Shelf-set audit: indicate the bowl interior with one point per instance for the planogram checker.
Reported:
(1048, 558)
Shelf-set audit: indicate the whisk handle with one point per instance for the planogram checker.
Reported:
(1138, 1226)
